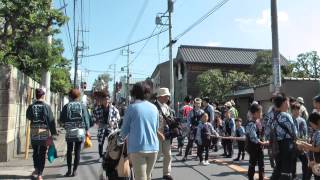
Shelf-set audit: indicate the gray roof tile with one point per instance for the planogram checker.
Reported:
(221, 55)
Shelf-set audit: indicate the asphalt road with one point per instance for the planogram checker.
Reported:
(220, 168)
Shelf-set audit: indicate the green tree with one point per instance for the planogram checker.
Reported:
(218, 85)
(25, 26)
(307, 65)
(262, 68)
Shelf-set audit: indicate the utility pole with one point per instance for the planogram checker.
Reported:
(75, 84)
(45, 73)
(114, 81)
(127, 53)
(128, 74)
(170, 10)
(275, 47)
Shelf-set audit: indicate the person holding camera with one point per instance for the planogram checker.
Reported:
(165, 121)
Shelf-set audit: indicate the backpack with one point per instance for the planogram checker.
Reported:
(205, 135)
(74, 111)
(113, 150)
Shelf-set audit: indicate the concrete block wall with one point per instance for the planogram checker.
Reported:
(16, 94)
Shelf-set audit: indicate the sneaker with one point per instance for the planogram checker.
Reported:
(206, 163)
(39, 177)
(201, 163)
(237, 159)
(167, 177)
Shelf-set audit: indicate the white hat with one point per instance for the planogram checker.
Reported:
(254, 102)
(232, 102)
(300, 100)
(228, 104)
(163, 92)
(197, 100)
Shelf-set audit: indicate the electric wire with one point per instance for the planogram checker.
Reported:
(137, 21)
(200, 20)
(144, 45)
(126, 45)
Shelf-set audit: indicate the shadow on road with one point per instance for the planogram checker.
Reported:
(53, 176)
(14, 177)
(223, 174)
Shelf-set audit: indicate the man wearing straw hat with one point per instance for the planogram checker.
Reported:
(163, 97)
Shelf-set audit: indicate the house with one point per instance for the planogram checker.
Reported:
(122, 94)
(192, 61)
(161, 76)
(294, 87)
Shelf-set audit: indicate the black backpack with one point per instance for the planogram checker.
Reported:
(205, 135)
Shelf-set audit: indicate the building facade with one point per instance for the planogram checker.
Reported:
(192, 61)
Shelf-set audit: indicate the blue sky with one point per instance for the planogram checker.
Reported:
(239, 23)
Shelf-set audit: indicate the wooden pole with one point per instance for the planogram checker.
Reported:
(29, 101)
(26, 155)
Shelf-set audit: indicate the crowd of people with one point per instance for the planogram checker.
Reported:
(150, 126)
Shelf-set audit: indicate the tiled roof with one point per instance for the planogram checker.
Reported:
(221, 55)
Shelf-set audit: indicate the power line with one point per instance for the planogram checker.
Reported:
(214, 9)
(68, 28)
(111, 71)
(135, 25)
(145, 44)
(129, 44)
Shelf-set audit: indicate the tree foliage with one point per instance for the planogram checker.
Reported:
(307, 65)
(218, 85)
(262, 68)
(25, 26)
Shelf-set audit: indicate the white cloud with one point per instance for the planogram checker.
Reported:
(263, 20)
(213, 44)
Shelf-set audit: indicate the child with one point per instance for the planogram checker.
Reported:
(203, 138)
(302, 128)
(254, 142)
(229, 129)
(218, 127)
(314, 148)
(240, 132)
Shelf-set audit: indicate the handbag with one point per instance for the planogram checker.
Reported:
(87, 142)
(52, 153)
(123, 167)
